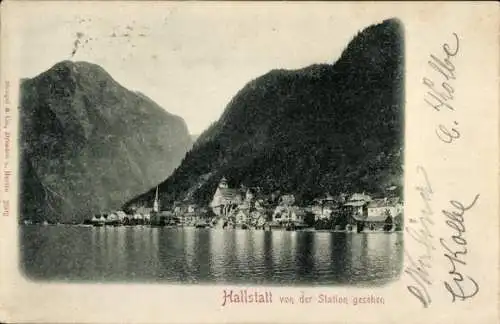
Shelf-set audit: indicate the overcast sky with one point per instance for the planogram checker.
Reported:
(189, 58)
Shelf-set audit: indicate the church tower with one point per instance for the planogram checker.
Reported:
(156, 203)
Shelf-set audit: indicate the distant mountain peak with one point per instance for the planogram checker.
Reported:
(88, 144)
(69, 71)
(75, 65)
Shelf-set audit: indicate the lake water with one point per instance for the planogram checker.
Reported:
(190, 255)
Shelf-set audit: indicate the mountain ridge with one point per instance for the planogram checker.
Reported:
(88, 144)
(322, 128)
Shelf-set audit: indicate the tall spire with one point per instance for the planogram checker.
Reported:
(156, 205)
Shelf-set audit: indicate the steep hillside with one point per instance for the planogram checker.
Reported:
(324, 128)
(88, 144)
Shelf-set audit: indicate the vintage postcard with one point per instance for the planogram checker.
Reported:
(249, 162)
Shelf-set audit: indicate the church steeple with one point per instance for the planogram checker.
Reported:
(156, 203)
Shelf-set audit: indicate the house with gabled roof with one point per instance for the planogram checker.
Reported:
(384, 207)
(357, 205)
(359, 197)
(288, 215)
(383, 212)
(327, 206)
(186, 212)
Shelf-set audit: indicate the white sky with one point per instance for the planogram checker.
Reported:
(190, 58)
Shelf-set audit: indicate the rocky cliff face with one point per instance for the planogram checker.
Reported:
(324, 128)
(88, 144)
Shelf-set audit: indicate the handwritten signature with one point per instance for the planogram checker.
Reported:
(418, 269)
(419, 229)
(455, 220)
(441, 95)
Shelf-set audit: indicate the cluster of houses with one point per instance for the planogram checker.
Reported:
(117, 218)
(360, 211)
(250, 208)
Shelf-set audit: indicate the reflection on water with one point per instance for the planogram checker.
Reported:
(192, 255)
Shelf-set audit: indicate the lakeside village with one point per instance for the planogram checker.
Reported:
(247, 208)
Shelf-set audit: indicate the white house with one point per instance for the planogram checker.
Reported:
(121, 215)
(385, 207)
(286, 214)
(358, 203)
(143, 212)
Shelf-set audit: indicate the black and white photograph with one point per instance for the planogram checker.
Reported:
(205, 149)
(249, 162)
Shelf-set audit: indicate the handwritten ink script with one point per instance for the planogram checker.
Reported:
(419, 230)
(440, 96)
(440, 88)
(6, 147)
(456, 251)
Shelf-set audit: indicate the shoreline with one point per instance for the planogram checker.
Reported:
(212, 228)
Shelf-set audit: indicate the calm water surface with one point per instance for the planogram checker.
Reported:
(189, 255)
